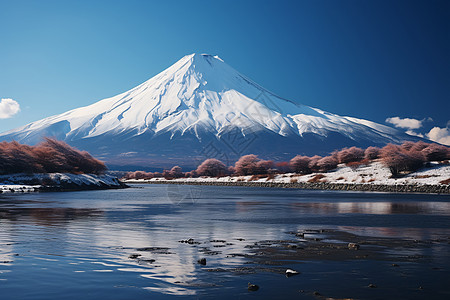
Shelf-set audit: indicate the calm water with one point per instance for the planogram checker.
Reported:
(77, 245)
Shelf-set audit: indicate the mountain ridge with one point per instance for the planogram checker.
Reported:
(196, 102)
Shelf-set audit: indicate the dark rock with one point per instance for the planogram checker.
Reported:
(316, 293)
(207, 251)
(190, 242)
(216, 270)
(395, 265)
(371, 285)
(252, 287)
(159, 250)
(134, 256)
(202, 261)
(353, 246)
(148, 261)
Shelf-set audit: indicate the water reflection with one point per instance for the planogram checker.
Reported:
(47, 216)
(123, 234)
(380, 208)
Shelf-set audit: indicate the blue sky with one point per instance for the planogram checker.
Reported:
(368, 59)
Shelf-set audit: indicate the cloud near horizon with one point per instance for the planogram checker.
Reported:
(8, 108)
(407, 123)
(440, 135)
(411, 132)
(436, 134)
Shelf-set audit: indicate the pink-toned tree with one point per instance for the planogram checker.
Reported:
(140, 175)
(264, 166)
(435, 152)
(313, 163)
(49, 156)
(282, 167)
(212, 167)
(176, 172)
(371, 153)
(300, 164)
(352, 154)
(327, 163)
(408, 145)
(191, 174)
(247, 165)
(77, 161)
(166, 174)
(231, 170)
(157, 175)
(51, 160)
(399, 160)
(17, 158)
(419, 146)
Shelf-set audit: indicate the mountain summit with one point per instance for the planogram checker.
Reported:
(201, 107)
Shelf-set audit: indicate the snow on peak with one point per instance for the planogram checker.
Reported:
(199, 93)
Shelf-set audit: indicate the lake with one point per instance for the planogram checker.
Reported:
(145, 242)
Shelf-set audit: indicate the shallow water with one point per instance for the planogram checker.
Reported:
(77, 245)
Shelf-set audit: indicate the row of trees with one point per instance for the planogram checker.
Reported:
(407, 157)
(410, 156)
(50, 156)
(404, 158)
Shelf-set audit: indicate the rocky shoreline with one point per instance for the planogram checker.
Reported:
(57, 182)
(384, 188)
(71, 187)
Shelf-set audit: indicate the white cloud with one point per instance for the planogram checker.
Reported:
(440, 135)
(8, 108)
(406, 123)
(410, 132)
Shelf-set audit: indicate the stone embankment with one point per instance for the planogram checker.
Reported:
(400, 188)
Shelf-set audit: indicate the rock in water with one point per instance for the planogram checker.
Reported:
(353, 246)
(290, 272)
(202, 261)
(253, 287)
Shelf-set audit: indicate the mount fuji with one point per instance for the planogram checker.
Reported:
(201, 107)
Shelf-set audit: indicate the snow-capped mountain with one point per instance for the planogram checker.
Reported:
(201, 107)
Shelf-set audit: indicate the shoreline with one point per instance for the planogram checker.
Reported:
(57, 182)
(359, 187)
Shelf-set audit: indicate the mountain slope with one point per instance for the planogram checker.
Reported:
(199, 103)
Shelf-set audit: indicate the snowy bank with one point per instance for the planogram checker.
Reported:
(57, 182)
(372, 177)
